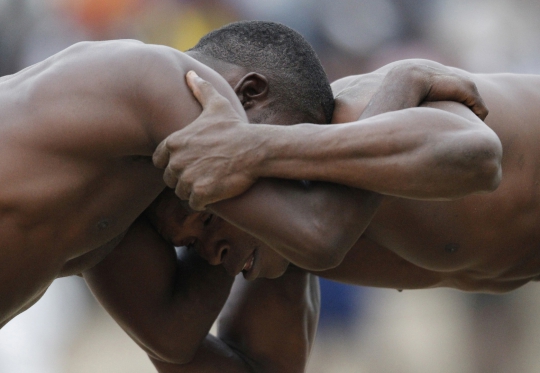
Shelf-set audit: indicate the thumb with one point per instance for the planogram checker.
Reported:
(203, 91)
(160, 158)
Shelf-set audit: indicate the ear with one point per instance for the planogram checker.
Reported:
(251, 88)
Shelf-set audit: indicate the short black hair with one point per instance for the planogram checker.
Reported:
(297, 78)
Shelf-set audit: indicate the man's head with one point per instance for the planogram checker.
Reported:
(273, 69)
(279, 80)
(214, 239)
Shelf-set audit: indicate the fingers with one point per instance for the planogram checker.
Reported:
(480, 109)
(170, 178)
(203, 91)
(196, 202)
(161, 155)
(473, 100)
(459, 88)
(161, 159)
(182, 189)
(478, 106)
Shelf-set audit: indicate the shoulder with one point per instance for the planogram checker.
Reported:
(352, 94)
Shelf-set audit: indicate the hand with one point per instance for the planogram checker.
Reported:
(431, 82)
(212, 158)
(403, 85)
(444, 84)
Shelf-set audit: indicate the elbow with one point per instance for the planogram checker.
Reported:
(489, 176)
(486, 159)
(324, 247)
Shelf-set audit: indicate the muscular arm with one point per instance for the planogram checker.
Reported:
(386, 143)
(266, 326)
(166, 304)
(313, 226)
(419, 153)
(322, 222)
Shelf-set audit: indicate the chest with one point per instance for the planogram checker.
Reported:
(86, 261)
(488, 234)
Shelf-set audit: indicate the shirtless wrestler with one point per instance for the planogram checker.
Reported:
(78, 132)
(481, 242)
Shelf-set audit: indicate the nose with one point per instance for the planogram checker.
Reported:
(217, 254)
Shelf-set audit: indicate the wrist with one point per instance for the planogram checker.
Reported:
(283, 152)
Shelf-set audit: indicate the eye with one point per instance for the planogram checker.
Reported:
(208, 220)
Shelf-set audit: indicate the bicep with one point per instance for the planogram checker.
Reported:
(311, 226)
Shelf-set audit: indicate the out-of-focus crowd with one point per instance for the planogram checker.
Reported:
(361, 330)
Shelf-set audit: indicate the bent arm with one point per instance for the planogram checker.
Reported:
(166, 303)
(266, 326)
(422, 153)
(418, 153)
(312, 226)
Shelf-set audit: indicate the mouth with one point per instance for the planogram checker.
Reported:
(188, 243)
(249, 263)
(249, 270)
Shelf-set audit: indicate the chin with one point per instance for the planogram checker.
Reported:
(277, 272)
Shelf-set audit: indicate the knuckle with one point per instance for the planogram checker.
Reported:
(471, 85)
(169, 180)
(171, 143)
(182, 191)
(199, 190)
(203, 84)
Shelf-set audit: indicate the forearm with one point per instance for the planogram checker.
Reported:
(266, 326)
(415, 153)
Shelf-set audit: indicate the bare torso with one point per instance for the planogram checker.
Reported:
(487, 242)
(77, 133)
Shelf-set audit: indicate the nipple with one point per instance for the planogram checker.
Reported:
(103, 224)
(452, 247)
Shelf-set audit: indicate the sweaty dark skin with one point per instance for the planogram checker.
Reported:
(484, 242)
(78, 133)
(77, 169)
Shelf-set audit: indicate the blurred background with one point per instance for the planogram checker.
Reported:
(361, 330)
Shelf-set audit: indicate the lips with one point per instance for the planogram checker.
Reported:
(249, 263)
(251, 268)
